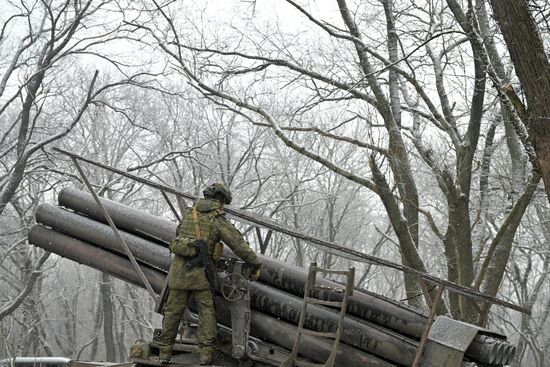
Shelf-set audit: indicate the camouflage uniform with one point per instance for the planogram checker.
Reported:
(185, 279)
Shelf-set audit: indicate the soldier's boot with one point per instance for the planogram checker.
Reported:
(165, 352)
(206, 355)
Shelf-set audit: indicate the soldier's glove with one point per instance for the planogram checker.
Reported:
(255, 273)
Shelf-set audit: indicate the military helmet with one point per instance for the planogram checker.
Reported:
(218, 191)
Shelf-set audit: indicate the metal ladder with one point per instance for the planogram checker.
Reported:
(310, 288)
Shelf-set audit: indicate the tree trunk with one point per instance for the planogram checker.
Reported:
(106, 289)
(504, 240)
(98, 320)
(526, 48)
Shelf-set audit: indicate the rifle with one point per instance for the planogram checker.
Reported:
(202, 247)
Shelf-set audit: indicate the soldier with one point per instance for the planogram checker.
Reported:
(187, 276)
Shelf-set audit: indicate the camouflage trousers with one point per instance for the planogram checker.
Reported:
(173, 312)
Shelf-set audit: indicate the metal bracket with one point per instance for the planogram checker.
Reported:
(428, 326)
(240, 312)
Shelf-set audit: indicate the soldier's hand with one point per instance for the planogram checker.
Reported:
(254, 274)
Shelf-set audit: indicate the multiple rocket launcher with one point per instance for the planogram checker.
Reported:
(377, 331)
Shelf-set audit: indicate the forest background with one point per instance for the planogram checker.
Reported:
(394, 127)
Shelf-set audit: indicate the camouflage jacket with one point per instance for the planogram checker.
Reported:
(214, 227)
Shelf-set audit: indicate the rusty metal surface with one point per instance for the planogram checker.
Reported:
(358, 333)
(126, 218)
(276, 331)
(90, 255)
(91, 231)
(368, 306)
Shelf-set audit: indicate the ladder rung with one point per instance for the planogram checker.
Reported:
(330, 289)
(329, 271)
(315, 301)
(308, 364)
(320, 334)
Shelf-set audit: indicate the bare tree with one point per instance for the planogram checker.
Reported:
(318, 121)
(532, 66)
